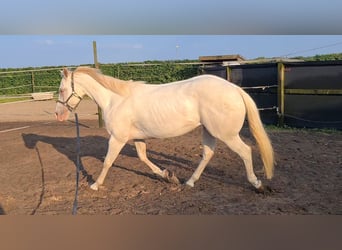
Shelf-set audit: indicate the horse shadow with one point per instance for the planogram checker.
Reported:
(96, 147)
(2, 211)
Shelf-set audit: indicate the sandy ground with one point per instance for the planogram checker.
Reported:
(33, 111)
(38, 156)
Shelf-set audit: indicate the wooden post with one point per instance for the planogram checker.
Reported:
(229, 73)
(32, 81)
(281, 93)
(96, 62)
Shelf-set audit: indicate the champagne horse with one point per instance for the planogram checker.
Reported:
(136, 111)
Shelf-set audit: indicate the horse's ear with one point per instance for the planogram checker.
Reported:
(64, 72)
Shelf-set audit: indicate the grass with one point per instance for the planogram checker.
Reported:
(287, 128)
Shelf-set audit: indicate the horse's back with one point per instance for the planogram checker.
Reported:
(211, 94)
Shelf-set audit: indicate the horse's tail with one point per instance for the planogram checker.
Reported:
(259, 134)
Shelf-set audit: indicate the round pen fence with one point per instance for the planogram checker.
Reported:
(19, 82)
(300, 94)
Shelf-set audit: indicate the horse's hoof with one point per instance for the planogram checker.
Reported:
(264, 190)
(190, 183)
(260, 190)
(94, 186)
(174, 179)
(171, 177)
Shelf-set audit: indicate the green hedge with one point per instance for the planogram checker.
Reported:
(151, 73)
(48, 78)
(19, 81)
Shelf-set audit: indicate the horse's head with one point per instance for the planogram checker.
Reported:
(70, 95)
(30, 140)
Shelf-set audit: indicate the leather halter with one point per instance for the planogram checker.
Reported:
(73, 94)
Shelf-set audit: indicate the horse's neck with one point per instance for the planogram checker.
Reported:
(101, 95)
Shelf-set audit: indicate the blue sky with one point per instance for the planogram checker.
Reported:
(52, 33)
(55, 50)
(170, 17)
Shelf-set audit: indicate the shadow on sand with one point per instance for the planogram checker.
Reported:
(96, 147)
(2, 211)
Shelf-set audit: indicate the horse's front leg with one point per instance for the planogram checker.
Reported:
(114, 148)
(141, 150)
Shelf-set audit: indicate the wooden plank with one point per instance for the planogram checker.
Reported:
(40, 96)
(221, 58)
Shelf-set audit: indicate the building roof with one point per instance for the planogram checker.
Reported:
(222, 58)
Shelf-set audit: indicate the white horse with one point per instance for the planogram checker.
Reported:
(135, 110)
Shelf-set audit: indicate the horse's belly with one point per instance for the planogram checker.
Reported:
(167, 118)
(166, 130)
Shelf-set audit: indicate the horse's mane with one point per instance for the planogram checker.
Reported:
(120, 87)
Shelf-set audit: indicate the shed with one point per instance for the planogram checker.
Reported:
(223, 59)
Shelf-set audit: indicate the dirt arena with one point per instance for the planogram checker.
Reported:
(38, 156)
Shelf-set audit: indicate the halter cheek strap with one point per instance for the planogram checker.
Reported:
(73, 94)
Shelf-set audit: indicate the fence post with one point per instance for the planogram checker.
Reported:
(281, 93)
(99, 111)
(32, 81)
(228, 73)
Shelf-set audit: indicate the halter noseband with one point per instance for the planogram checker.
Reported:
(73, 94)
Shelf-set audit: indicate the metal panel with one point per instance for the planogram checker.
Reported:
(313, 76)
(254, 75)
(313, 111)
(313, 94)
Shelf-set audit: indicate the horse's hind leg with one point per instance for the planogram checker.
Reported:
(141, 150)
(209, 143)
(244, 151)
(114, 148)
